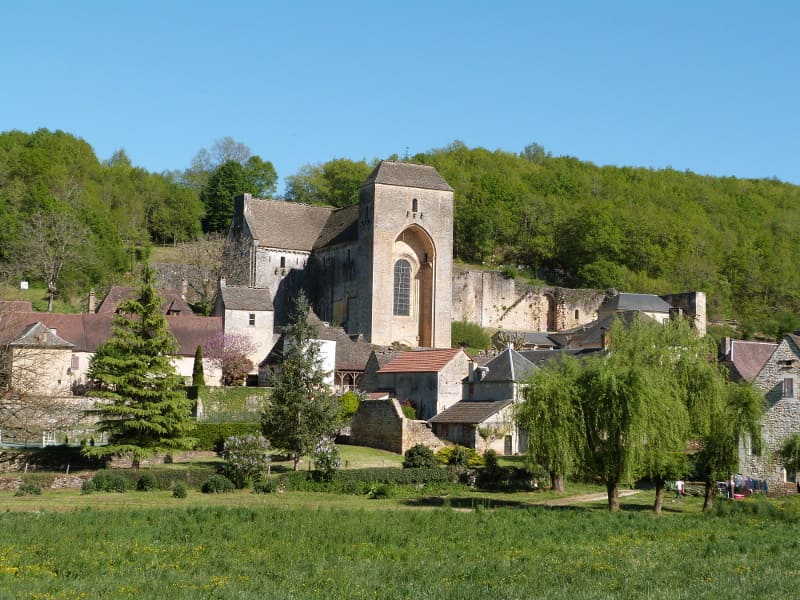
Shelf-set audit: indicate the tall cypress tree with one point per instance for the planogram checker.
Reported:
(145, 409)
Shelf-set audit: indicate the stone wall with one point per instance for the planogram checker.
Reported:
(781, 417)
(493, 301)
(381, 424)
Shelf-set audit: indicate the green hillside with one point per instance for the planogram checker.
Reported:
(557, 220)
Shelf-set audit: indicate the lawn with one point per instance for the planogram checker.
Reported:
(322, 546)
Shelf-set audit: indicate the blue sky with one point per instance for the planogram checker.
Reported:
(713, 87)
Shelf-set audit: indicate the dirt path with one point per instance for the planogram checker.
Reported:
(570, 500)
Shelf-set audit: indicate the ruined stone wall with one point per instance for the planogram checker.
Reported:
(493, 301)
(381, 424)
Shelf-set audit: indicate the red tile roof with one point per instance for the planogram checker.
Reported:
(421, 361)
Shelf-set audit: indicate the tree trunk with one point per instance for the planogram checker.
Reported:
(556, 481)
(708, 501)
(660, 484)
(297, 462)
(613, 496)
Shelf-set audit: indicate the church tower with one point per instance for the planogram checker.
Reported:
(405, 233)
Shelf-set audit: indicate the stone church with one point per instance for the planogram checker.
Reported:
(381, 269)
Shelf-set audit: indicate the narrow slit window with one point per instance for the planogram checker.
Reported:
(414, 205)
(402, 287)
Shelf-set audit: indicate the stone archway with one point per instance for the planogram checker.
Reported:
(414, 325)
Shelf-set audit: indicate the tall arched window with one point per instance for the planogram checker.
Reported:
(402, 287)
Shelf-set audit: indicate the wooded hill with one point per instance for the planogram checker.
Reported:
(558, 220)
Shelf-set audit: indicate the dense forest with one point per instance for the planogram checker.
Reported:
(70, 221)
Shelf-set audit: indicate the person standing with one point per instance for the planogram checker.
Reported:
(679, 488)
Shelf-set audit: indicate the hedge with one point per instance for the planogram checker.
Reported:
(231, 404)
(211, 436)
(359, 481)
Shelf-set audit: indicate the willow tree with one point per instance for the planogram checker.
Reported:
(727, 413)
(551, 416)
(144, 408)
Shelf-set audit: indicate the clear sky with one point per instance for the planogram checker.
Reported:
(709, 86)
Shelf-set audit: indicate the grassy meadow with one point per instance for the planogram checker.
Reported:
(312, 545)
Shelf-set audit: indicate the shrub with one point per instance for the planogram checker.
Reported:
(246, 458)
(218, 484)
(326, 460)
(147, 482)
(409, 412)
(270, 485)
(106, 481)
(379, 491)
(469, 335)
(348, 403)
(212, 436)
(88, 487)
(419, 456)
(28, 489)
(179, 490)
(459, 456)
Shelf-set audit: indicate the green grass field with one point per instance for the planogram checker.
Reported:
(279, 547)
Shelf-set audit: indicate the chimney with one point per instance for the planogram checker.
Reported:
(92, 301)
(471, 376)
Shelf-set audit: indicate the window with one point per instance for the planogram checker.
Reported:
(283, 262)
(414, 205)
(252, 319)
(788, 387)
(577, 314)
(402, 287)
(76, 362)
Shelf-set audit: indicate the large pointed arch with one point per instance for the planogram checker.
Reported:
(413, 247)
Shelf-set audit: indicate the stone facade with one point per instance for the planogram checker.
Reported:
(778, 380)
(348, 260)
(494, 301)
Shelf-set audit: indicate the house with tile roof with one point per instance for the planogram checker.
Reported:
(773, 368)
(429, 379)
(381, 269)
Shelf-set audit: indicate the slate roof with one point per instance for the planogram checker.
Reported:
(285, 225)
(341, 227)
(641, 302)
(170, 300)
(746, 359)
(40, 336)
(591, 334)
(407, 175)
(524, 338)
(420, 361)
(509, 365)
(469, 412)
(542, 358)
(246, 298)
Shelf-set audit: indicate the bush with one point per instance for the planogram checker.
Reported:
(147, 482)
(419, 457)
(28, 489)
(246, 458)
(379, 491)
(218, 484)
(179, 490)
(107, 481)
(459, 456)
(348, 404)
(270, 485)
(409, 412)
(88, 487)
(326, 460)
(212, 436)
(469, 335)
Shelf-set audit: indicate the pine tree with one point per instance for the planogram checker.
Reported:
(302, 411)
(145, 409)
(198, 375)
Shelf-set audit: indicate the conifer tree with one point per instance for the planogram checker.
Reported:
(198, 374)
(302, 410)
(145, 409)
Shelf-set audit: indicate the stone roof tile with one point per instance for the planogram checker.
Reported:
(285, 225)
(469, 412)
(407, 175)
